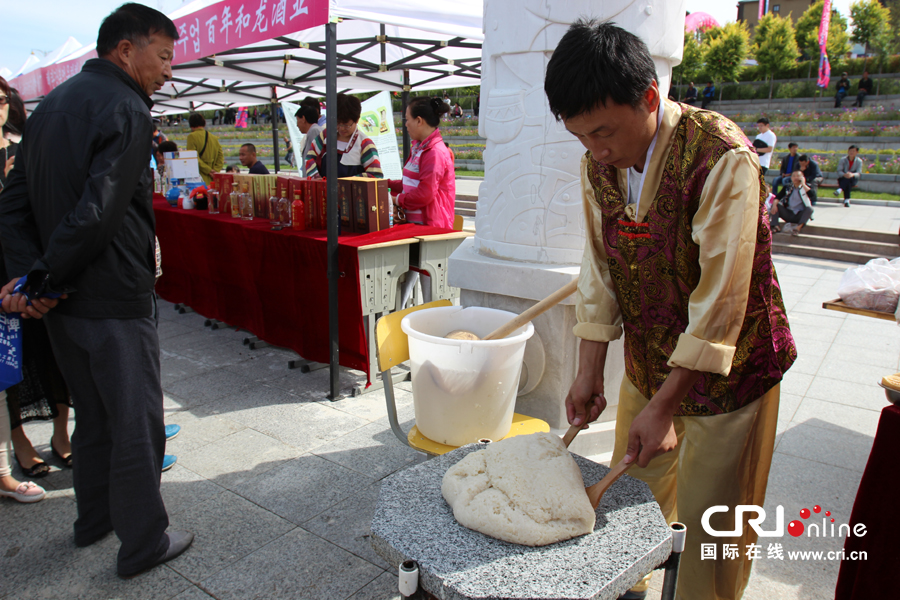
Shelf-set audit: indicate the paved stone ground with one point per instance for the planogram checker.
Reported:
(279, 484)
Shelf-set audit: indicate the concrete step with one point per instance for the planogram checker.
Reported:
(867, 236)
(873, 249)
(832, 248)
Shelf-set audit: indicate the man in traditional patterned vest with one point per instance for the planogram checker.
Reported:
(678, 252)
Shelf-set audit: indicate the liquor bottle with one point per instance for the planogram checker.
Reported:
(212, 195)
(298, 210)
(274, 218)
(235, 200)
(284, 210)
(246, 203)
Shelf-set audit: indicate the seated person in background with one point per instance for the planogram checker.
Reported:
(248, 159)
(842, 88)
(709, 92)
(789, 164)
(232, 169)
(357, 154)
(812, 175)
(793, 205)
(863, 90)
(691, 95)
(849, 171)
(167, 146)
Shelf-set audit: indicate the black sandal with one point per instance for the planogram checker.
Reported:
(66, 460)
(37, 470)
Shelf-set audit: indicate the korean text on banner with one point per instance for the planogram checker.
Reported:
(235, 23)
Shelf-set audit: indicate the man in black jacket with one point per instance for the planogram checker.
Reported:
(789, 164)
(77, 217)
(812, 175)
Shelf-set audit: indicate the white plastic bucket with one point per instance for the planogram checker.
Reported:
(464, 390)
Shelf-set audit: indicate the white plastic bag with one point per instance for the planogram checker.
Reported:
(873, 286)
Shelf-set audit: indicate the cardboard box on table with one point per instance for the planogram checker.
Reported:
(371, 204)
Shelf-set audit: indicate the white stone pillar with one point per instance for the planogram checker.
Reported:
(529, 222)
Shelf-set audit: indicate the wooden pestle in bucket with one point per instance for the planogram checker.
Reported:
(595, 492)
(526, 317)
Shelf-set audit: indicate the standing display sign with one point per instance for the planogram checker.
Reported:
(376, 121)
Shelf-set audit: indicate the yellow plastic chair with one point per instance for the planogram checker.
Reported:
(392, 347)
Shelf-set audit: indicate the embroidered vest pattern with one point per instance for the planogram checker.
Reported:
(654, 266)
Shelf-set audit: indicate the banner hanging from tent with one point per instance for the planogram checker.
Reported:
(235, 23)
(824, 66)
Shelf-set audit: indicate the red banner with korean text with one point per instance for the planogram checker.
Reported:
(221, 26)
(824, 66)
(235, 23)
(763, 7)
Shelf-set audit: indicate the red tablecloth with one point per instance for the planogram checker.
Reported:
(876, 507)
(271, 283)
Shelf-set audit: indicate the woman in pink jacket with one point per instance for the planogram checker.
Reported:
(427, 192)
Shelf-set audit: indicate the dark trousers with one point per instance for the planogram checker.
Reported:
(839, 97)
(789, 216)
(846, 184)
(780, 180)
(705, 102)
(112, 369)
(860, 97)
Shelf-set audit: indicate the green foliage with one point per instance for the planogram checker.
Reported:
(806, 33)
(727, 49)
(871, 21)
(692, 60)
(774, 45)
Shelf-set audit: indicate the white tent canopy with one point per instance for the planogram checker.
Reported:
(435, 45)
(438, 43)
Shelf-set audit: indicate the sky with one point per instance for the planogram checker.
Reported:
(44, 25)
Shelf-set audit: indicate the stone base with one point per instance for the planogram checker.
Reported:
(413, 522)
(551, 356)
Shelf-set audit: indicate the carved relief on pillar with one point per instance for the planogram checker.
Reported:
(529, 206)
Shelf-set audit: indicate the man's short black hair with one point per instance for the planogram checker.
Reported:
(250, 146)
(135, 23)
(196, 120)
(802, 158)
(792, 145)
(593, 63)
(852, 148)
(167, 146)
(309, 113)
(762, 120)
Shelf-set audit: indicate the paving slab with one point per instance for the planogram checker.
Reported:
(226, 528)
(298, 565)
(304, 487)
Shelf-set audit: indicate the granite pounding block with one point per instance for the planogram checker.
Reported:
(413, 522)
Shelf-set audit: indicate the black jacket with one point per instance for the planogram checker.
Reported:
(79, 202)
(813, 175)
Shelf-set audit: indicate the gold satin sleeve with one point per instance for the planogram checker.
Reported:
(596, 308)
(724, 228)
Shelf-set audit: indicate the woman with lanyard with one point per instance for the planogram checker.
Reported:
(427, 192)
(357, 154)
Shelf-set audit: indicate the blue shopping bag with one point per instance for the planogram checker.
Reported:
(10, 350)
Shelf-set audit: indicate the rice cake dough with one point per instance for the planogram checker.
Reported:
(525, 490)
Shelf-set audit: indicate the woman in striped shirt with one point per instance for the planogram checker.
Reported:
(357, 154)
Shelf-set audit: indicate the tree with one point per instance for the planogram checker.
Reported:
(774, 46)
(728, 48)
(806, 32)
(871, 24)
(691, 61)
